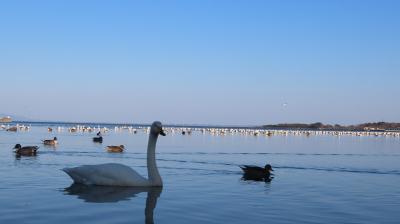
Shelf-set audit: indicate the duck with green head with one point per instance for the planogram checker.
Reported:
(26, 150)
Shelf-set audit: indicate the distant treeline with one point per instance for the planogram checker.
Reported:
(321, 126)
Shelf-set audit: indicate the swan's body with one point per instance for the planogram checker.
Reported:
(109, 174)
(113, 174)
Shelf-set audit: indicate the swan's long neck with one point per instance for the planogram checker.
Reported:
(154, 175)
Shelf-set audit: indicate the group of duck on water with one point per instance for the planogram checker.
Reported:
(32, 150)
(112, 174)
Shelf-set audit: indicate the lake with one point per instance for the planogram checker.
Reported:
(318, 179)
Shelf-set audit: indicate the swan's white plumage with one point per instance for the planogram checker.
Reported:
(113, 174)
(106, 174)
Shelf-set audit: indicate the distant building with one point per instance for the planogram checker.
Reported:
(373, 129)
(5, 119)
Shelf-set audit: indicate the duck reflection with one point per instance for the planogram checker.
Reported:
(247, 177)
(257, 173)
(52, 147)
(107, 194)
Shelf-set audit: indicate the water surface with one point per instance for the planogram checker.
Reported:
(318, 179)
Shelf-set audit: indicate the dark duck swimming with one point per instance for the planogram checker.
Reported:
(257, 173)
(99, 138)
(26, 150)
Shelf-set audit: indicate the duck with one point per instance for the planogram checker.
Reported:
(26, 150)
(99, 138)
(115, 148)
(257, 173)
(13, 129)
(50, 141)
(114, 174)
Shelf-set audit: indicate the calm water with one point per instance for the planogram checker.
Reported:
(318, 179)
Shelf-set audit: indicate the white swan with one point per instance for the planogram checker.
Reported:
(113, 174)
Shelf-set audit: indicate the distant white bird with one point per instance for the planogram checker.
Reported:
(113, 174)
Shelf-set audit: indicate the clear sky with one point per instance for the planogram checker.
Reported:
(201, 61)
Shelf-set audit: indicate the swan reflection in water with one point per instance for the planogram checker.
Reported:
(110, 194)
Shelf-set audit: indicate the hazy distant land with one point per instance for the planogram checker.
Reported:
(376, 126)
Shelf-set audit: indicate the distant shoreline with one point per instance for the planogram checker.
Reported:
(375, 126)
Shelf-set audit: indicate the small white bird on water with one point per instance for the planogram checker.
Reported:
(113, 174)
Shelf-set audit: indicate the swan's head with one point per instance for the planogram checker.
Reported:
(156, 128)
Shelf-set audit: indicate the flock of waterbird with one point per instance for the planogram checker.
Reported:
(98, 173)
(235, 131)
(32, 150)
(215, 131)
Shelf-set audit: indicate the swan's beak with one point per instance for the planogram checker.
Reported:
(162, 132)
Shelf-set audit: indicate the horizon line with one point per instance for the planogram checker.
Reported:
(183, 124)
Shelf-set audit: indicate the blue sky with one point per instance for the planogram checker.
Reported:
(201, 62)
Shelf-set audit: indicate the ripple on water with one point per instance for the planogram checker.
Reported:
(318, 180)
